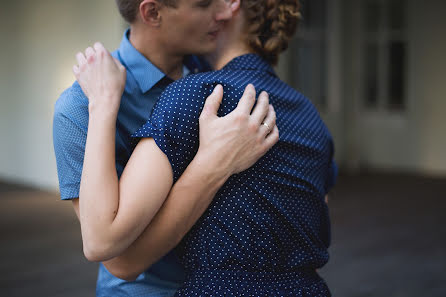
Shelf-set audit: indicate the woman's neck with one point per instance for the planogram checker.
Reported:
(231, 43)
(223, 55)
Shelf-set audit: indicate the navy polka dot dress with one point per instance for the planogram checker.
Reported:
(267, 229)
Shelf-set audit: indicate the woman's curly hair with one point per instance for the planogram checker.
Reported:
(270, 25)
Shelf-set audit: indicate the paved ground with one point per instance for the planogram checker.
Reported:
(40, 247)
(389, 239)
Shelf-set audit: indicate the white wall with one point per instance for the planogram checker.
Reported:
(412, 141)
(39, 40)
(415, 140)
(428, 84)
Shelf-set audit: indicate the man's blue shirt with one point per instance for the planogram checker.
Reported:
(145, 82)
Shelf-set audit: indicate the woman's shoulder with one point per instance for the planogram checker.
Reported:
(189, 92)
(193, 84)
(183, 100)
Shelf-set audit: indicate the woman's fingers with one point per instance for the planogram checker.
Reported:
(99, 47)
(90, 54)
(81, 60)
(118, 64)
(103, 53)
(101, 78)
(261, 109)
(76, 70)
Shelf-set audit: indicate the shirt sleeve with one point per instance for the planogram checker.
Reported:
(173, 123)
(69, 139)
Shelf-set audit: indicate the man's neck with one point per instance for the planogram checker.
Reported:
(170, 64)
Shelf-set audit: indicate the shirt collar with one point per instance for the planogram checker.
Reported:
(186, 71)
(145, 73)
(250, 62)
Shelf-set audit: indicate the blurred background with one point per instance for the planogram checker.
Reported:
(376, 70)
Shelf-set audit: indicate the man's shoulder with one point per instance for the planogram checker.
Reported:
(72, 104)
(116, 55)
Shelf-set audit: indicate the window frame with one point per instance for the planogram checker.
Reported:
(383, 37)
(318, 36)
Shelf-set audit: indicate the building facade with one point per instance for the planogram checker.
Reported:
(376, 69)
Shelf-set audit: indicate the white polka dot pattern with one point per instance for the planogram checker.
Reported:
(270, 218)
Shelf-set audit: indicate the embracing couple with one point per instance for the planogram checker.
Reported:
(169, 149)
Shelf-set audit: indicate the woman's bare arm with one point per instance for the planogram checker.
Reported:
(113, 214)
(194, 191)
(110, 224)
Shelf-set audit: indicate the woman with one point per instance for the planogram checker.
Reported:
(267, 229)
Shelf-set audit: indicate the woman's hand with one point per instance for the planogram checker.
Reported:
(102, 78)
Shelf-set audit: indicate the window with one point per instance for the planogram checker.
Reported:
(384, 48)
(308, 61)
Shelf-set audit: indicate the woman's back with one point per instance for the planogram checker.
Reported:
(268, 227)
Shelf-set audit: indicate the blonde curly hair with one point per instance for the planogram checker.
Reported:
(270, 25)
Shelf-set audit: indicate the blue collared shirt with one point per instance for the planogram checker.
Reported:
(145, 82)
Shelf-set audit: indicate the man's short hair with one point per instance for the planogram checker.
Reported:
(129, 8)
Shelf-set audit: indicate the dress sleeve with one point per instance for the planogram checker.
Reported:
(332, 172)
(173, 123)
(332, 176)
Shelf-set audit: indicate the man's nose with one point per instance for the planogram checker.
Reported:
(224, 12)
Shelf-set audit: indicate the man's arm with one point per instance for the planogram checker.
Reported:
(194, 191)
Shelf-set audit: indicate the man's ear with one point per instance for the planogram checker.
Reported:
(149, 11)
(234, 5)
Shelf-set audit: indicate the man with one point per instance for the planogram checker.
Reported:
(162, 33)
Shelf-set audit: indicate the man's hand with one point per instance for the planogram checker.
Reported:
(236, 141)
